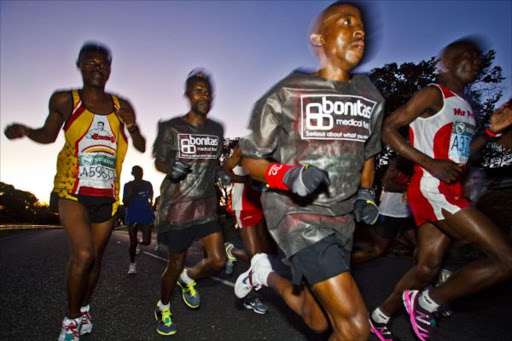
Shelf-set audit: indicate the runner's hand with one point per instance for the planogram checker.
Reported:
(126, 116)
(179, 170)
(305, 180)
(445, 170)
(365, 209)
(16, 131)
(223, 178)
(501, 118)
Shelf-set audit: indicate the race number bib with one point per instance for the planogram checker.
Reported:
(460, 140)
(97, 170)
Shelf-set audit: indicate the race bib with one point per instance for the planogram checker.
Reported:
(460, 140)
(97, 170)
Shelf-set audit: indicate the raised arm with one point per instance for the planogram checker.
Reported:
(127, 115)
(234, 160)
(60, 107)
(424, 103)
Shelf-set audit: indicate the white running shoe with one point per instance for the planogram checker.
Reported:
(70, 329)
(138, 249)
(255, 277)
(132, 270)
(86, 320)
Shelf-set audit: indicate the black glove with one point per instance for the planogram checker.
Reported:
(305, 180)
(223, 178)
(365, 209)
(179, 170)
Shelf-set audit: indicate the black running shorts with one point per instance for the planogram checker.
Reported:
(179, 240)
(100, 209)
(320, 261)
(390, 227)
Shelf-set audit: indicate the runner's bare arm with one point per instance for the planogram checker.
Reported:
(499, 121)
(256, 168)
(127, 115)
(424, 103)
(60, 107)
(231, 163)
(368, 173)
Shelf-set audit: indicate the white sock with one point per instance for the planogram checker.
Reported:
(77, 320)
(427, 303)
(184, 277)
(379, 317)
(163, 307)
(85, 308)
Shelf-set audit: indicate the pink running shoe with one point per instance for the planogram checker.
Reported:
(381, 330)
(422, 321)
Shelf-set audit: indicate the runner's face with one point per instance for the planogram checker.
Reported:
(343, 36)
(467, 64)
(95, 68)
(200, 97)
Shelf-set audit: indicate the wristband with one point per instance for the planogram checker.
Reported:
(489, 133)
(274, 176)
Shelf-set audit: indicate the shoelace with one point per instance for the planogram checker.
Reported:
(191, 287)
(166, 317)
(85, 318)
(72, 331)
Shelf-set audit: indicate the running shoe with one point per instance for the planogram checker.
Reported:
(190, 294)
(70, 329)
(138, 249)
(381, 330)
(422, 321)
(86, 327)
(165, 325)
(231, 259)
(255, 277)
(132, 270)
(255, 304)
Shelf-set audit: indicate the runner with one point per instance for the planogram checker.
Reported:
(442, 126)
(246, 206)
(322, 131)
(86, 187)
(187, 149)
(138, 199)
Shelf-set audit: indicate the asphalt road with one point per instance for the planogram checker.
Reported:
(32, 298)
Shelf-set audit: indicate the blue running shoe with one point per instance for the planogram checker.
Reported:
(165, 325)
(255, 304)
(190, 294)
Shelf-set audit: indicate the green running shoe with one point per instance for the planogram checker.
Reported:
(165, 325)
(190, 294)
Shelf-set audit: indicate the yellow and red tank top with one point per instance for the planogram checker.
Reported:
(92, 157)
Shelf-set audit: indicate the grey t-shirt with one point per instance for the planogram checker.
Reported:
(193, 200)
(334, 126)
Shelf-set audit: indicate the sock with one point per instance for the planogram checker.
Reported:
(427, 303)
(85, 308)
(163, 307)
(184, 277)
(379, 317)
(68, 320)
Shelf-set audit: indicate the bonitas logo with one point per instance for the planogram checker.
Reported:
(319, 115)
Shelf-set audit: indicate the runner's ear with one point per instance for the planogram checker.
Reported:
(316, 39)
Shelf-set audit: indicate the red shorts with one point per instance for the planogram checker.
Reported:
(428, 196)
(247, 218)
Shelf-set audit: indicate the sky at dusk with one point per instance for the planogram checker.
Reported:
(247, 46)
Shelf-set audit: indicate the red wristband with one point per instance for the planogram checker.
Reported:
(491, 134)
(274, 175)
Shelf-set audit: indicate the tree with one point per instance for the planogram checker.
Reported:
(18, 206)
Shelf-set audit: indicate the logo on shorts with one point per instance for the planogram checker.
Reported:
(198, 146)
(336, 117)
